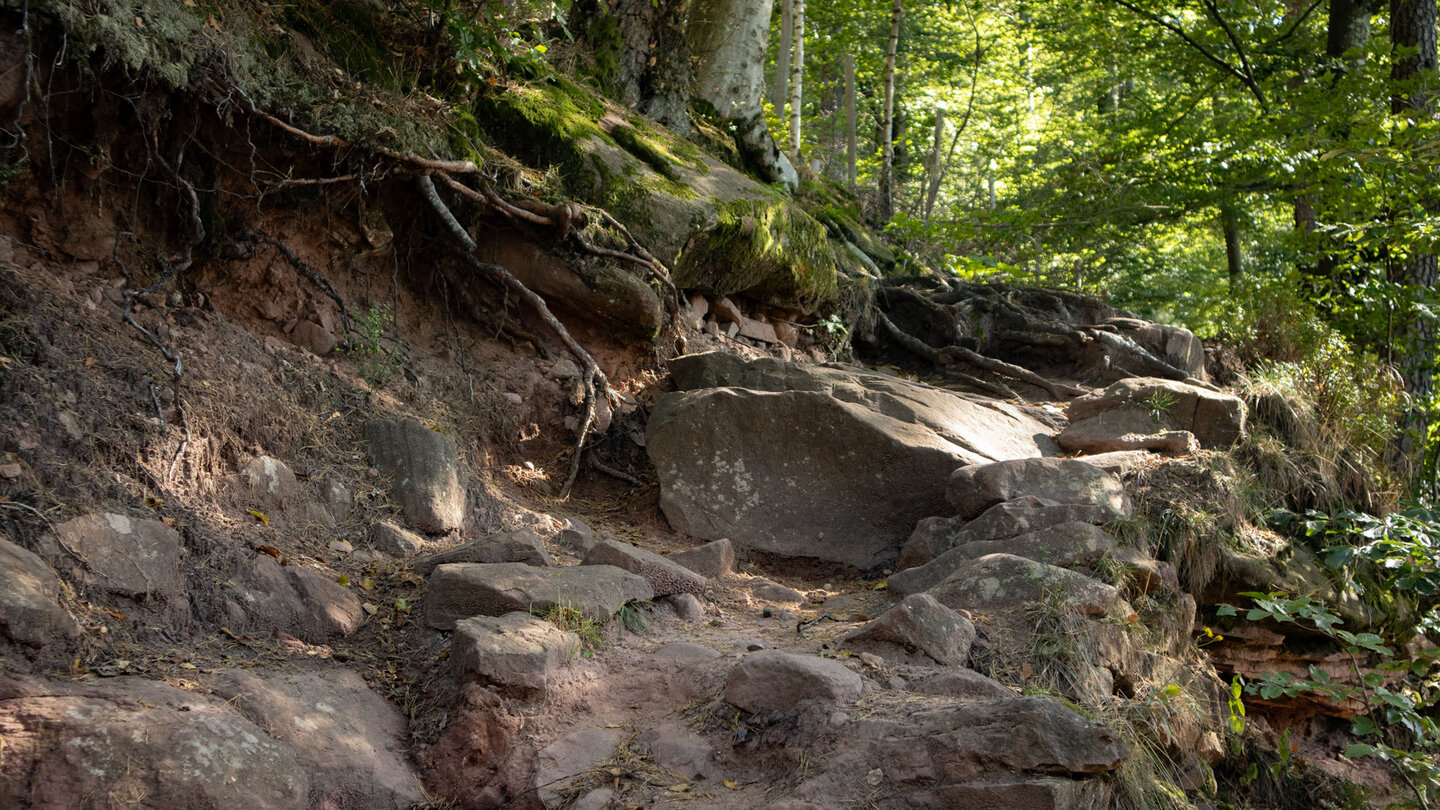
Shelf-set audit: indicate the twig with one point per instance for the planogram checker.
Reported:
(599, 466)
(594, 379)
(155, 400)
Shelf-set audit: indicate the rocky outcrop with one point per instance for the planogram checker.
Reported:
(130, 557)
(347, 738)
(973, 489)
(424, 472)
(515, 650)
(919, 622)
(30, 611)
(665, 576)
(775, 681)
(140, 742)
(519, 546)
(461, 590)
(1065, 545)
(833, 463)
(1007, 582)
(1157, 406)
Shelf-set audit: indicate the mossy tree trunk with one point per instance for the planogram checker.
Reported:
(887, 135)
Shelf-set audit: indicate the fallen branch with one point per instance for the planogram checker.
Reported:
(594, 379)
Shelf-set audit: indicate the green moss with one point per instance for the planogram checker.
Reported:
(769, 250)
(603, 37)
(545, 124)
(647, 150)
(347, 31)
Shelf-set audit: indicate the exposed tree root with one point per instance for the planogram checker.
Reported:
(950, 354)
(594, 379)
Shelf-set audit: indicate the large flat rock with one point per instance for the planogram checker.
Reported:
(461, 590)
(424, 471)
(129, 742)
(833, 462)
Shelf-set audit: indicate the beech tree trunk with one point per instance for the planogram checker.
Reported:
(850, 121)
(887, 145)
(797, 76)
(728, 40)
(782, 58)
(1412, 27)
(1230, 224)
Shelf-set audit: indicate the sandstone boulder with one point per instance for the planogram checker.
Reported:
(349, 739)
(1216, 419)
(387, 538)
(833, 463)
(1039, 794)
(1065, 545)
(932, 537)
(515, 650)
(774, 681)
(970, 741)
(308, 604)
(139, 743)
(30, 611)
(712, 560)
(1127, 429)
(1004, 581)
(519, 546)
(959, 682)
(130, 557)
(665, 576)
(975, 488)
(424, 472)
(461, 590)
(919, 622)
(571, 756)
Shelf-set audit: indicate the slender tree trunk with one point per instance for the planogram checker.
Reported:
(1412, 27)
(797, 76)
(887, 144)
(932, 185)
(850, 121)
(1230, 224)
(782, 59)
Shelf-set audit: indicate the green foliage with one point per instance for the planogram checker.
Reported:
(376, 363)
(1393, 722)
(585, 627)
(631, 618)
(1403, 547)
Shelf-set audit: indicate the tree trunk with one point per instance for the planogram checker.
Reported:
(1412, 27)
(797, 76)
(652, 71)
(887, 144)
(1230, 224)
(933, 182)
(1348, 27)
(728, 41)
(782, 58)
(850, 121)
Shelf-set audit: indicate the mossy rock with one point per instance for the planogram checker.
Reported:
(769, 250)
(834, 205)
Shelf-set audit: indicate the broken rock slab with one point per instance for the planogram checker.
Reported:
(461, 590)
(1005, 582)
(139, 743)
(975, 488)
(1065, 545)
(932, 537)
(919, 622)
(1216, 419)
(713, 560)
(424, 472)
(516, 650)
(131, 557)
(571, 756)
(307, 604)
(387, 538)
(959, 682)
(30, 611)
(349, 739)
(665, 576)
(833, 463)
(775, 681)
(1127, 429)
(519, 546)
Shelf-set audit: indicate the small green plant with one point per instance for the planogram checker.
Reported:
(376, 363)
(631, 618)
(573, 620)
(1160, 403)
(1392, 716)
